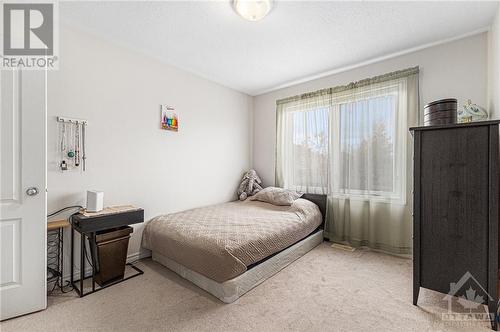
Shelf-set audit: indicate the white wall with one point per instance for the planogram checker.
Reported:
(134, 162)
(494, 68)
(457, 69)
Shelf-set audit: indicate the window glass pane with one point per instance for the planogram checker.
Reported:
(310, 147)
(367, 144)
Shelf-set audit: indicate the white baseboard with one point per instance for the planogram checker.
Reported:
(142, 253)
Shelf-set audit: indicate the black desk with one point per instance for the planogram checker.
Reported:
(87, 226)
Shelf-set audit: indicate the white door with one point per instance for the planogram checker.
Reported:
(22, 207)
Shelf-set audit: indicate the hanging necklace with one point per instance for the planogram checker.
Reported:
(84, 157)
(63, 165)
(77, 145)
(64, 138)
(71, 152)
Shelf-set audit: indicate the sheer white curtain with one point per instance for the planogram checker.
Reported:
(303, 144)
(352, 143)
(369, 141)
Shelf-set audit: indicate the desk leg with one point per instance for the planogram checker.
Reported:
(71, 278)
(93, 260)
(62, 260)
(82, 262)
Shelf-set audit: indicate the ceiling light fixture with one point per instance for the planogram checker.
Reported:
(252, 10)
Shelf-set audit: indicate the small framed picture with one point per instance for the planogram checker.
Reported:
(169, 119)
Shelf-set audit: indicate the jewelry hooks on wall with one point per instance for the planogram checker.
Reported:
(72, 143)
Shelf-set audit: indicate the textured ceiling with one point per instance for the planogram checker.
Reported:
(296, 40)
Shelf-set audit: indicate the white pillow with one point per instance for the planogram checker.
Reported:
(276, 196)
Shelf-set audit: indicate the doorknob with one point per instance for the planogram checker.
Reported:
(32, 191)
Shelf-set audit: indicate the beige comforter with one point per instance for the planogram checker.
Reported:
(221, 241)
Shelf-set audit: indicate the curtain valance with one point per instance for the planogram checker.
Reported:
(352, 85)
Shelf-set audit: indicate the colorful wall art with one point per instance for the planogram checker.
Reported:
(169, 119)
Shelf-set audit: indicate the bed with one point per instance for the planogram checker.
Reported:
(227, 249)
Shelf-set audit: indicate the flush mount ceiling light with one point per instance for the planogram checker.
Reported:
(252, 10)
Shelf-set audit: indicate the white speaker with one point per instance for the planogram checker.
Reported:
(95, 200)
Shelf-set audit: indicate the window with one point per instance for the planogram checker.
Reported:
(367, 138)
(367, 146)
(310, 147)
(348, 144)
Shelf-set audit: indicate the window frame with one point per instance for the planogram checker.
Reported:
(398, 194)
(361, 194)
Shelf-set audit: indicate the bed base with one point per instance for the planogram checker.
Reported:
(230, 290)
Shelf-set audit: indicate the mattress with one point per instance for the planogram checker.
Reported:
(230, 290)
(221, 241)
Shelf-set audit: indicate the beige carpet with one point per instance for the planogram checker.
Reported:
(326, 290)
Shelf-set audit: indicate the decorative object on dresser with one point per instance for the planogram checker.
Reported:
(108, 233)
(472, 112)
(440, 112)
(455, 232)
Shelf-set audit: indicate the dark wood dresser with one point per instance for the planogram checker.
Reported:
(455, 231)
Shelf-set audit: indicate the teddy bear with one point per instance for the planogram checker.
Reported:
(250, 185)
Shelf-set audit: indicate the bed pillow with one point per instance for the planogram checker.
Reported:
(276, 196)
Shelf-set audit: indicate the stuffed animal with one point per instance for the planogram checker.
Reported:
(250, 185)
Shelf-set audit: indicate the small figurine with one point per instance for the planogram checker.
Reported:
(472, 112)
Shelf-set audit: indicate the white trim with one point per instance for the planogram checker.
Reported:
(372, 61)
(138, 255)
